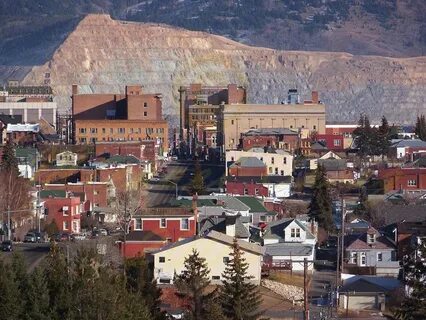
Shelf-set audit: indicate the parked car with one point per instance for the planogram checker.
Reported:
(154, 179)
(60, 237)
(30, 237)
(78, 236)
(174, 158)
(6, 245)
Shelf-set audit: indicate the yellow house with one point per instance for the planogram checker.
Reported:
(215, 247)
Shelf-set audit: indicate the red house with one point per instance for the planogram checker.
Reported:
(248, 166)
(155, 227)
(410, 179)
(333, 142)
(66, 212)
(246, 188)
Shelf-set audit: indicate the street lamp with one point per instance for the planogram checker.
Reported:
(176, 185)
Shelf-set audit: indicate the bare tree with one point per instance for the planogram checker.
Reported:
(126, 205)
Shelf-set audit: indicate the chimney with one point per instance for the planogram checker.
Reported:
(74, 89)
(315, 98)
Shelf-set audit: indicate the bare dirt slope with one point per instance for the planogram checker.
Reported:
(102, 55)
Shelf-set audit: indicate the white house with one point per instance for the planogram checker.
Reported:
(290, 240)
(215, 247)
(66, 158)
(313, 163)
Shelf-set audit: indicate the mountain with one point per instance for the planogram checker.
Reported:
(102, 55)
(31, 30)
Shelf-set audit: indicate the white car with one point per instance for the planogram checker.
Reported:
(154, 179)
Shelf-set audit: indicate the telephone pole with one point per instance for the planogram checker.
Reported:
(305, 290)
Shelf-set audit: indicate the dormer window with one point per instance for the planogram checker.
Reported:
(295, 233)
(371, 238)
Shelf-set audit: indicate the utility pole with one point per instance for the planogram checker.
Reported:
(342, 241)
(8, 222)
(305, 290)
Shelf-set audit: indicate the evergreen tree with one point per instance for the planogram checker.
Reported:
(362, 209)
(420, 128)
(9, 163)
(9, 293)
(193, 282)
(320, 208)
(384, 136)
(414, 305)
(140, 281)
(363, 136)
(198, 180)
(36, 297)
(240, 298)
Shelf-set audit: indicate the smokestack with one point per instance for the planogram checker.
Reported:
(315, 97)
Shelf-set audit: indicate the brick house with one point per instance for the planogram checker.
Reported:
(248, 166)
(279, 138)
(265, 186)
(66, 212)
(173, 224)
(406, 179)
(143, 150)
(138, 243)
(246, 188)
(331, 141)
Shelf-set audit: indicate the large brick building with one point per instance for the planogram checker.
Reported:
(65, 212)
(278, 138)
(235, 119)
(133, 116)
(406, 179)
(145, 150)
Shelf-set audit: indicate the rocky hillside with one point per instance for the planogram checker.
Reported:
(102, 55)
(31, 30)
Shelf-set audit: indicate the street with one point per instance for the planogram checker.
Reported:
(33, 253)
(161, 193)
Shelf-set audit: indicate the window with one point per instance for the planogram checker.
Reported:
(336, 142)
(295, 233)
(363, 259)
(75, 226)
(285, 160)
(371, 238)
(232, 121)
(270, 170)
(256, 191)
(315, 127)
(138, 224)
(82, 130)
(131, 130)
(225, 260)
(276, 170)
(354, 257)
(412, 183)
(121, 130)
(272, 160)
(161, 259)
(145, 113)
(184, 224)
(215, 277)
(379, 256)
(103, 130)
(282, 172)
(111, 130)
(65, 225)
(83, 140)
(145, 105)
(93, 130)
(163, 223)
(245, 191)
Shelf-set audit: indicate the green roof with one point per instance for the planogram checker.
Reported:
(52, 193)
(253, 203)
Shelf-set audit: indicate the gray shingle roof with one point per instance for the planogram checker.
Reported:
(248, 162)
(287, 249)
(414, 143)
(270, 131)
(275, 230)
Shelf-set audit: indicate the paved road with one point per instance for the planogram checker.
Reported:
(33, 253)
(163, 192)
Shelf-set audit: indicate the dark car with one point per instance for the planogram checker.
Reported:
(59, 237)
(6, 245)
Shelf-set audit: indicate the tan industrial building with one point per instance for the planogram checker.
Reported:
(235, 119)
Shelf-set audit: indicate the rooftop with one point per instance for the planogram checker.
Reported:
(248, 162)
(265, 179)
(269, 132)
(143, 236)
(253, 203)
(288, 249)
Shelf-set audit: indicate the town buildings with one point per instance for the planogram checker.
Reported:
(66, 158)
(65, 212)
(215, 247)
(235, 119)
(134, 116)
(277, 138)
(410, 179)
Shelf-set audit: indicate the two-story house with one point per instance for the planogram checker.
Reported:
(373, 250)
(154, 227)
(290, 241)
(65, 212)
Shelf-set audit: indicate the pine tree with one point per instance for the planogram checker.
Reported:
(193, 283)
(36, 297)
(414, 305)
(362, 209)
(420, 128)
(9, 163)
(9, 293)
(383, 133)
(240, 298)
(198, 180)
(140, 281)
(320, 208)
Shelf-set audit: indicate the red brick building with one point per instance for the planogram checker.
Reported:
(279, 138)
(332, 141)
(133, 116)
(244, 188)
(145, 150)
(66, 212)
(248, 167)
(138, 243)
(95, 192)
(407, 179)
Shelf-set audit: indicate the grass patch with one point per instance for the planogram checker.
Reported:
(286, 277)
